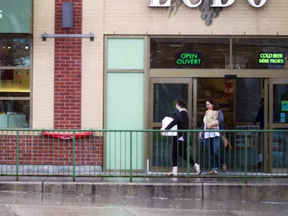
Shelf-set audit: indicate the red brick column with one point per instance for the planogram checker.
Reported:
(67, 77)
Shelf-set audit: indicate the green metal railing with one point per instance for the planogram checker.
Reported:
(141, 153)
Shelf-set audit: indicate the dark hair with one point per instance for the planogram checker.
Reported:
(214, 104)
(181, 102)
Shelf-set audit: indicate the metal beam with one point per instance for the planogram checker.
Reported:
(45, 36)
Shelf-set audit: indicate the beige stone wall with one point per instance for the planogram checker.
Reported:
(134, 17)
(92, 65)
(43, 65)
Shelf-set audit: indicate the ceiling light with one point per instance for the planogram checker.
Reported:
(9, 47)
(175, 45)
(216, 57)
(26, 47)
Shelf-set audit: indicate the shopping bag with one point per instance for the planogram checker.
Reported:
(211, 116)
(165, 122)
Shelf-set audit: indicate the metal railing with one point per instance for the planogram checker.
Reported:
(143, 153)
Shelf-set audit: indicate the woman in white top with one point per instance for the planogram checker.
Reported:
(212, 139)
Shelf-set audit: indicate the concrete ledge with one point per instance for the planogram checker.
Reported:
(29, 187)
(220, 191)
(269, 192)
(192, 191)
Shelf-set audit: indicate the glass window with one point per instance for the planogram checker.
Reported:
(189, 53)
(125, 54)
(164, 97)
(280, 103)
(15, 82)
(15, 52)
(249, 53)
(248, 100)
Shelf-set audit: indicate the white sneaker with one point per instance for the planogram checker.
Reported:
(198, 169)
(174, 172)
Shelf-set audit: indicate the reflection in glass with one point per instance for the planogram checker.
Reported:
(280, 149)
(212, 53)
(14, 113)
(15, 83)
(280, 103)
(164, 96)
(246, 52)
(15, 52)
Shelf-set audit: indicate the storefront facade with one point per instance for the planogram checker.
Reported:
(145, 55)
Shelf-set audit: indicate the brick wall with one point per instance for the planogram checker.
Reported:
(39, 150)
(67, 76)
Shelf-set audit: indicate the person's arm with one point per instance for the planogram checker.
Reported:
(258, 117)
(174, 122)
(202, 127)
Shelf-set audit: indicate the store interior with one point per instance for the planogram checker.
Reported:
(238, 99)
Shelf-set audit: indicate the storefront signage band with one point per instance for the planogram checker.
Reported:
(215, 3)
(272, 58)
(189, 58)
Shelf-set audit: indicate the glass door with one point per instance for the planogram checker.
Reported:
(163, 92)
(278, 120)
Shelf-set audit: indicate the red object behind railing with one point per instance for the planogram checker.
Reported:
(67, 135)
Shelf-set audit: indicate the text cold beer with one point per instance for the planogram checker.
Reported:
(216, 3)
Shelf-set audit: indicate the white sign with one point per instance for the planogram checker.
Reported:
(215, 3)
(1, 14)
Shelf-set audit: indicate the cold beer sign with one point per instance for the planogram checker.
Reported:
(215, 3)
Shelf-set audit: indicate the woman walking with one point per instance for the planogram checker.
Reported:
(181, 119)
(213, 120)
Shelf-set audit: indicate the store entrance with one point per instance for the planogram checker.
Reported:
(163, 93)
(239, 99)
(278, 113)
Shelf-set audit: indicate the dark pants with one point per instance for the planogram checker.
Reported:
(181, 150)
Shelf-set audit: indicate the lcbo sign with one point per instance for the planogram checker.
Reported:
(215, 3)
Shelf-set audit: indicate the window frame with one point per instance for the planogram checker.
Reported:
(22, 36)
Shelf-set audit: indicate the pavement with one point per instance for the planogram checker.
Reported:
(34, 204)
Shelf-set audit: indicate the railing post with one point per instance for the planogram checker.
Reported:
(246, 156)
(74, 157)
(130, 175)
(188, 155)
(17, 157)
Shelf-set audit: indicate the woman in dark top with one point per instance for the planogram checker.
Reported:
(181, 119)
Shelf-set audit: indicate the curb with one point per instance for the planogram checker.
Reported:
(264, 192)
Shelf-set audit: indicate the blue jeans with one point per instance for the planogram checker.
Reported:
(214, 149)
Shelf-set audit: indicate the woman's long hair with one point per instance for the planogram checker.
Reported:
(214, 104)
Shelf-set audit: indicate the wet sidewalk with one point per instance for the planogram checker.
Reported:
(213, 189)
(21, 204)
